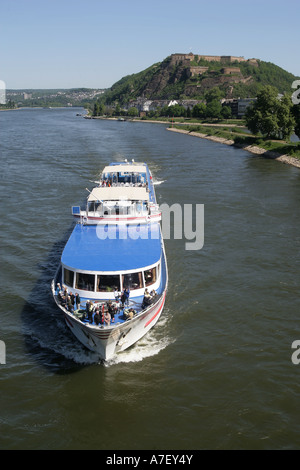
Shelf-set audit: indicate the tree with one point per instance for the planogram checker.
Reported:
(213, 109)
(199, 111)
(270, 115)
(176, 110)
(214, 94)
(226, 112)
(286, 120)
(98, 109)
(296, 114)
(133, 111)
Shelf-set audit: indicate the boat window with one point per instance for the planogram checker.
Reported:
(150, 276)
(108, 283)
(68, 277)
(133, 281)
(91, 206)
(85, 281)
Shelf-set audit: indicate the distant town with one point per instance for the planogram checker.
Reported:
(55, 97)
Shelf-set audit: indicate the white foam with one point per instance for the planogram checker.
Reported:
(150, 345)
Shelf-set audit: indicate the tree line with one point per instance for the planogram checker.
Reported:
(211, 109)
(272, 115)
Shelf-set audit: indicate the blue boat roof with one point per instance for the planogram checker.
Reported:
(112, 248)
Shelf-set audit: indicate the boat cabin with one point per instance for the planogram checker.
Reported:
(102, 285)
(124, 192)
(97, 260)
(107, 201)
(120, 175)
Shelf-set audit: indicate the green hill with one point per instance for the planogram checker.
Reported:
(189, 76)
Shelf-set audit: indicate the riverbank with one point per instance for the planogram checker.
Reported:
(287, 159)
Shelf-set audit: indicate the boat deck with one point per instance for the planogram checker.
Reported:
(121, 313)
(120, 316)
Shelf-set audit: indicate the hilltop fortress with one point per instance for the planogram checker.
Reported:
(190, 60)
(186, 59)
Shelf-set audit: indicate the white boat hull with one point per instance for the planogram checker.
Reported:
(107, 341)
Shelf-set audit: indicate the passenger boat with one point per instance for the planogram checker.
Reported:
(114, 261)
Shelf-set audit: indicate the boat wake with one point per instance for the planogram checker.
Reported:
(157, 183)
(150, 345)
(57, 348)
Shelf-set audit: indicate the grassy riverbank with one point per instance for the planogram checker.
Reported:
(276, 151)
(239, 136)
(230, 132)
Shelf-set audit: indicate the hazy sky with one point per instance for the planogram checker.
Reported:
(94, 43)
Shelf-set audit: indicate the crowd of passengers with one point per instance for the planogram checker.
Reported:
(103, 313)
(108, 182)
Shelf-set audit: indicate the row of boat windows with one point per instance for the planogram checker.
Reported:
(123, 177)
(114, 208)
(110, 282)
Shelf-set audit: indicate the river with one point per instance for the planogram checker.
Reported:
(216, 372)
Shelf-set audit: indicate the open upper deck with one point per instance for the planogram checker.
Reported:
(125, 193)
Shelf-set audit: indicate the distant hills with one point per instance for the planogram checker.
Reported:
(178, 77)
(191, 76)
(52, 97)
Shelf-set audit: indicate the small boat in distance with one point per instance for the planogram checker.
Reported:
(112, 279)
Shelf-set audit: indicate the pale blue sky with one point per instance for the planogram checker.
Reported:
(94, 43)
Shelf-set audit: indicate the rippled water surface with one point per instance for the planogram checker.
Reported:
(216, 371)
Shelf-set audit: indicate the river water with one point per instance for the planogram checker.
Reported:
(216, 372)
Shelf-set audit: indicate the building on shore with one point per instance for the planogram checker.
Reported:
(238, 106)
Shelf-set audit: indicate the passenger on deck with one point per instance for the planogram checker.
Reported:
(147, 299)
(125, 296)
(111, 311)
(63, 300)
(130, 313)
(107, 318)
(96, 316)
(72, 297)
(117, 294)
(59, 292)
(70, 306)
(91, 311)
(77, 299)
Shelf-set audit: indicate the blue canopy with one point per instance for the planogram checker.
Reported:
(112, 248)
